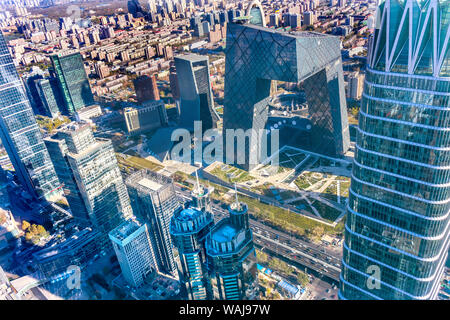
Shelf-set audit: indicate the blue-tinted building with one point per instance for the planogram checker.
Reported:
(397, 228)
(93, 184)
(231, 258)
(131, 242)
(255, 56)
(189, 228)
(154, 202)
(20, 133)
(77, 250)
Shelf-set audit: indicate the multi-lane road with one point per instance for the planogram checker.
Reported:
(312, 256)
(319, 258)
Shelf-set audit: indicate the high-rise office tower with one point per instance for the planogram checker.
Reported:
(50, 96)
(196, 98)
(273, 20)
(189, 228)
(72, 81)
(154, 201)
(254, 57)
(231, 258)
(173, 78)
(131, 242)
(146, 88)
(397, 228)
(148, 116)
(93, 184)
(309, 18)
(20, 133)
(31, 89)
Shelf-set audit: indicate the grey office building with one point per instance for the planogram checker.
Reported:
(20, 133)
(397, 227)
(49, 96)
(154, 201)
(196, 98)
(131, 242)
(254, 57)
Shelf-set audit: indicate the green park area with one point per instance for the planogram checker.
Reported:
(231, 174)
(331, 191)
(138, 163)
(276, 216)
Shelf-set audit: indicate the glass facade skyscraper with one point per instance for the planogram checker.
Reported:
(189, 229)
(255, 56)
(49, 96)
(154, 202)
(231, 258)
(397, 228)
(73, 82)
(20, 133)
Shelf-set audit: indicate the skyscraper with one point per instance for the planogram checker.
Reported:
(397, 228)
(20, 133)
(196, 98)
(154, 201)
(92, 181)
(231, 258)
(131, 242)
(254, 57)
(50, 96)
(146, 88)
(189, 229)
(72, 81)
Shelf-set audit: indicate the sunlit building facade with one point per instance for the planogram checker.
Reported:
(20, 133)
(231, 258)
(154, 202)
(397, 228)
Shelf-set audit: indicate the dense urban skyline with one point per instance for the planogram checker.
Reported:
(224, 150)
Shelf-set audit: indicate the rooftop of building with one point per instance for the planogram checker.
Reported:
(238, 207)
(292, 34)
(225, 232)
(124, 230)
(148, 181)
(73, 126)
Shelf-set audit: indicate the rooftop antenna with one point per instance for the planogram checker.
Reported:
(236, 195)
(198, 183)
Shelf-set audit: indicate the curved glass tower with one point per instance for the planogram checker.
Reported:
(397, 229)
(231, 258)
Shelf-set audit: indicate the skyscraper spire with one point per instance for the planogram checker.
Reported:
(198, 183)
